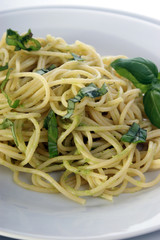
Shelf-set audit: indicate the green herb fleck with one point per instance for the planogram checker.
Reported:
(90, 91)
(2, 68)
(25, 42)
(2, 86)
(6, 124)
(45, 70)
(76, 57)
(135, 134)
(50, 123)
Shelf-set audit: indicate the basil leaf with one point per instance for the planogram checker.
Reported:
(6, 124)
(20, 42)
(135, 134)
(2, 68)
(76, 57)
(151, 101)
(45, 70)
(152, 68)
(139, 71)
(47, 119)
(70, 109)
(50, 123)
(144, 75)
(2, 86)
(90, 91)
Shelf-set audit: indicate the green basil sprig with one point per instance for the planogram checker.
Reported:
(90, 91)
(25, 42)
(2, 86)
(46, 70)
(144, 75)
(135, 134)
(6, 124)
(50, 123)
(2, 68)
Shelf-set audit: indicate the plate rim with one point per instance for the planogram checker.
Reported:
(83, 7)
(121, 236)
(154, 21)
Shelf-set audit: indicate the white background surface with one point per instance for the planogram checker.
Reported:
(141, 7)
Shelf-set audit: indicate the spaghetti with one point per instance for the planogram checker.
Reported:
(91, 160)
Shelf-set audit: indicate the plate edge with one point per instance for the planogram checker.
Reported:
(89, 8)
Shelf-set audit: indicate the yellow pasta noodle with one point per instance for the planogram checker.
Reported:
(92, 160)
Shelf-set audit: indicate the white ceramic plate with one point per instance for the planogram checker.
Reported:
(29, 215)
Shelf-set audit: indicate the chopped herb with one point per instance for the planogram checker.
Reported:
(50, 123)
(45, 70)
(2, 86)
(6, 124)
(90, 91)
(25, 42)
(144, 75)
(2, 68)
(135, 134)
(76, 57)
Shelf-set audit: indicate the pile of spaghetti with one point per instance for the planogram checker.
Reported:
(64, 109)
